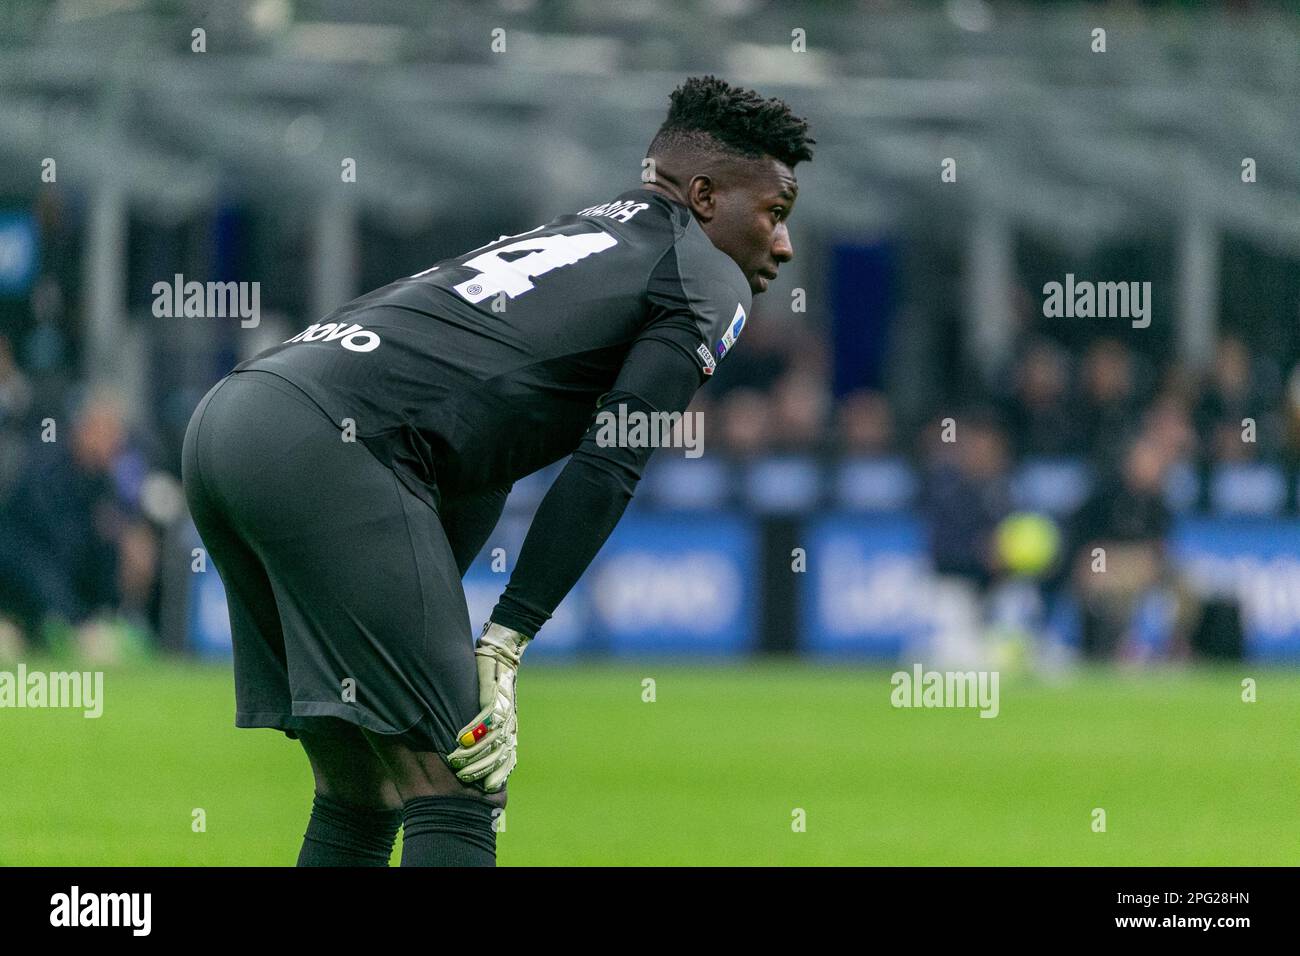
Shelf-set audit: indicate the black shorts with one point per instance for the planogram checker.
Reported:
(345, 600)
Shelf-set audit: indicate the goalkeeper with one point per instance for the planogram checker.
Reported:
(343, 481)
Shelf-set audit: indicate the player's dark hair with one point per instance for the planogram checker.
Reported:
(710, 115)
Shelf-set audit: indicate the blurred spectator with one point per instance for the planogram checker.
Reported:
(1043, 416)
(15, 392)
(15, 406)
(72, 552)
(1127, 518)
(1226, 442)
(966, 494)
(799, 410)
(1167, 423)
(865, 424)
(1108, 400)
(46, 351)
(1239, 388)
(745, 414)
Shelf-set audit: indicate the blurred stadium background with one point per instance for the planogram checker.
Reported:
(831, 532)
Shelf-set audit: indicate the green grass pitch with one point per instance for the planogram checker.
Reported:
(711, 772)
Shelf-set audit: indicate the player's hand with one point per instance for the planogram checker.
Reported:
(486, 754)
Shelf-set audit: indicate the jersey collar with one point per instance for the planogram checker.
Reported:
(679, 212)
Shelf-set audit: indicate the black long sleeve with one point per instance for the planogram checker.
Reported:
(588, 498)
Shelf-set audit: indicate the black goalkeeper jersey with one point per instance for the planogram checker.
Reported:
(489, 365)
(492, 364)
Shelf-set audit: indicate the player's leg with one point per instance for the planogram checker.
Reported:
(445, 822)
(445, 818)
(356, 809)
(376, 629)
(355, 814)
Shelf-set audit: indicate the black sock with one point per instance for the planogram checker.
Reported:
(340, 834)
(448, 831)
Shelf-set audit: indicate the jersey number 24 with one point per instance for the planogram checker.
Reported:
(543, 253)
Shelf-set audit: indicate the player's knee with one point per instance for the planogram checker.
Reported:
(425, 773)
(437, 779)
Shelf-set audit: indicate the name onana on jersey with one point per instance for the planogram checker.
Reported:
(622, 210)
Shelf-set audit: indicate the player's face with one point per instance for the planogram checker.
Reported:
(750, 224)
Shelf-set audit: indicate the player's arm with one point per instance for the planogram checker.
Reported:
(592, 491)
(695, 297)
(574, 519)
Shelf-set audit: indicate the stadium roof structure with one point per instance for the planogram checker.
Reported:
(549, 105)
(1045, 131)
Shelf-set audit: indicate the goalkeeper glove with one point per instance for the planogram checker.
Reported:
(487, 743)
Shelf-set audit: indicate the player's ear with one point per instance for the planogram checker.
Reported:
(703, 201)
